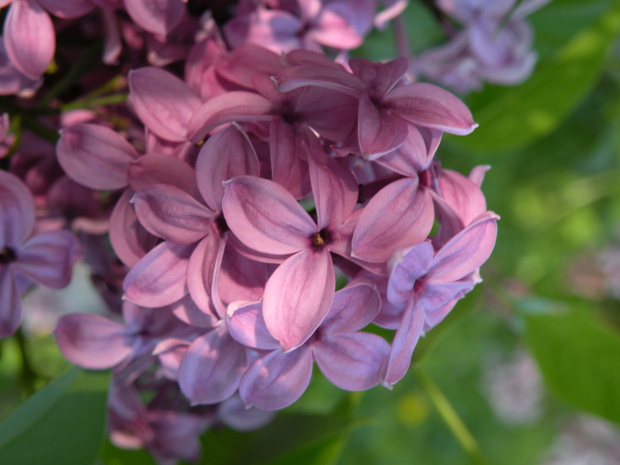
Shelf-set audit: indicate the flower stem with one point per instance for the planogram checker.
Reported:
(451, 418)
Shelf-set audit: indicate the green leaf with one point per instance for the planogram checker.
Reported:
(300, 439)
(518, 116)
(63, 423)
(578, 357)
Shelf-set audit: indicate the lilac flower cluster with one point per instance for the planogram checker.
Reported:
(225, 207)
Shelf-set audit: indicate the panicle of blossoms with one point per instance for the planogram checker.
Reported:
(494, 44)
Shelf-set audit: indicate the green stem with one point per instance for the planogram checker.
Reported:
(451, 418)
(28, 375)
(94, 102)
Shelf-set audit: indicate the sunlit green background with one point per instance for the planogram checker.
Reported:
(526, 370)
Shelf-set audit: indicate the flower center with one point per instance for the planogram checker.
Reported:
(7, 256)
(320, 239)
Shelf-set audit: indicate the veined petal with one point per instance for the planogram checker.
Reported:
(439, 298)
(17, 214)
(67, 8)
(379, 130)
(161, 169)
(160, 277)
(462, 195)
(334, 189)
(29, 38)
(466, 251)
(404, 268)
(298, 296)
(240, 65)
(172, 214)
(351, 361)
(163, 102)
(225, 155)
(411, 157)
(287, 167)
(265, 216)
(399, 215)
(276, 380)
(406, 337)
(92, 341)
(379, 78)
(48, 258)
(242, 278)
(95, 156)
(226, 108)
(200, 270)
(10, 303)
(431, 106)
(156, 16)
(353, 307)
(247, 326)
(129, 239)
(212, 367)
(311, 75)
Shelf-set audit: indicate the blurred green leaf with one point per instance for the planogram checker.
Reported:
(300, 439)
(520, 115)
(63, 423)
(578, 357)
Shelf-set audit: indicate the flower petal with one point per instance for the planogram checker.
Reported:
(163, 102)
(298, 296)
(351, 361)
(399, 215)
(67, 9)
(265, 216)
(17, 214)
(172, 214)
(353, 307)
(92, 341)
(160, 277)
(380, 131)
(431, 106)
(247, 326)
(226, 108)
(212, 367)
(156, 16)
(161, 169)
(48, 258)
(404, 268)
(276, 380)
(29, 38)
(95, 156)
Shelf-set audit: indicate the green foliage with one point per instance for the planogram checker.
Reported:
(63, 423)
(579, 357)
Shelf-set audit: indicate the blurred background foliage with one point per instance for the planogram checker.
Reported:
(525, 370)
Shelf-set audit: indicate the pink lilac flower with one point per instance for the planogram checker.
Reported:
(46, 258)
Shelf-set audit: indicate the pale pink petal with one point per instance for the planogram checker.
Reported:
(156, 16)
(92, 341)
(465, 252)
(170, 352)
(411, 157)
(163, 102)
(380, 131)
(333, 30)
(67, 8)
(242, 278)
(462, 195)
(17, 214)
(334, 189)
(287, 167)
(161, 169)
(200, 271)
(172, 214)
(226, 108)
(212, 367)
(128, 237)
(298, 296)
(95, 156)
(476, 175)
(399, 215)
(265, 216)
(431, 106)
(276, 380)
(240, 65)
(189, 313)
(10, 303)
(159, 278)
(328, 77)
(406, 337)
(247, 326)
(353, 307)
(29, 38)
(272, 29)
(379, 78)
(330, 113)
(48, 258)
(351, 361)
(438, 299)
(113, 45)
(225, 155)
